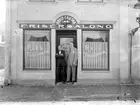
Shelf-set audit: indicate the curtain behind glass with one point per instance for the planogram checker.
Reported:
(95, 50)
(37, 49)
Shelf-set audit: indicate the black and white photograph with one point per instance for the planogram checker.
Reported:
(60, 52)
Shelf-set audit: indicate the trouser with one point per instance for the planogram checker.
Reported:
(60, 72)
(71, 71)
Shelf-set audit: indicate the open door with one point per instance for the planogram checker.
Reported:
(64, 37)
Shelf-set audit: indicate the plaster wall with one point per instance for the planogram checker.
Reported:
(115, 12)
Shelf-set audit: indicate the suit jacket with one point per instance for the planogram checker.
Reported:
(60, 58)
(67, 54)
(73, 57)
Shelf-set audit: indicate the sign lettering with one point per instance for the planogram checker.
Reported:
(75, 26)
(66, 19)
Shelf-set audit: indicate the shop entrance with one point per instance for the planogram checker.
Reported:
(63, 38)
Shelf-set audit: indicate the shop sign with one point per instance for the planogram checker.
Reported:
(66, 19)
(62, 26)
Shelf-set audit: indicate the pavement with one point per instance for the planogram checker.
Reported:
(69, 92)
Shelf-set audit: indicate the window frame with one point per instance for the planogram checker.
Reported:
(36, 69)
(42, 1)
(92, 69)
(90, 1)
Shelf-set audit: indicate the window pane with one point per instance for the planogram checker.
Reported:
(96, 0)
(48, 0)
(37, 49)
(35, 0)
(41, 0)
(90, 0)
(95, 50)
(83, 0)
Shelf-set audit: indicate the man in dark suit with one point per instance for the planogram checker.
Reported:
(60, 65)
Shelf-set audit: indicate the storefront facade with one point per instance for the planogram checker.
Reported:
(38, 27)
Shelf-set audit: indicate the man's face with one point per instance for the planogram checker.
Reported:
(59, 48)
(71, 45)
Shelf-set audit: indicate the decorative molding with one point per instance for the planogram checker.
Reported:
(65, 13)
(81, 21)
(97, 22)
(35, 21)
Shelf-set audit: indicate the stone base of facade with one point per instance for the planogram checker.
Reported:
(126, 81)
(137, 82)
(48, 82)
(7, 82)
(51, 82)
(98, 81)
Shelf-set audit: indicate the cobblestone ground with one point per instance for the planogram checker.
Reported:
(18, 93)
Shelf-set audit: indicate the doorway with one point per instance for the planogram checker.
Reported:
(64, 37)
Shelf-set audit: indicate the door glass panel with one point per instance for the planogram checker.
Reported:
(65, 42)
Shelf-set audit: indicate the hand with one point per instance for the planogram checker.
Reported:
(74, 64)
(60, 54)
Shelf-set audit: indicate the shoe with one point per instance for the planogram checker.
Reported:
(57, 83)
(64, 82)
(74, 83)
(68, 83)
(61, 83)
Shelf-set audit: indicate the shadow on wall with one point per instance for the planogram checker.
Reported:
(2, 57)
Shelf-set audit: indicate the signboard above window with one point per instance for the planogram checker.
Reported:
(76, 26)
(66, 21)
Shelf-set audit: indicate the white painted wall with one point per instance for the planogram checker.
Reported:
(23, 11)
(0, 38)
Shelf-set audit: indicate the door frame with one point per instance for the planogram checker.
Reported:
(56, 42)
